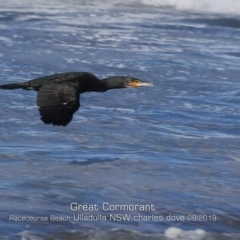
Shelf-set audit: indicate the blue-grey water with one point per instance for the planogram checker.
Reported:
(175, 146)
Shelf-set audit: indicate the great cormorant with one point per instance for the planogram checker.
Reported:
(59, 94)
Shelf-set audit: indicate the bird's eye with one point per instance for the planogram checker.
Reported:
(136, 81)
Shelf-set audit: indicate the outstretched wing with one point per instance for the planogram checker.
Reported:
(57, 103)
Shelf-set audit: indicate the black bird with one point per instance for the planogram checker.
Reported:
(59, 94)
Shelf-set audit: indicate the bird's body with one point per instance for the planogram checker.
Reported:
(59, 94)
(70, 77)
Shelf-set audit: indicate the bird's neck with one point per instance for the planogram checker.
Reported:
(111, 83)
(95, 85)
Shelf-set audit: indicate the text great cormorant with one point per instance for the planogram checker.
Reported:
(59, 94)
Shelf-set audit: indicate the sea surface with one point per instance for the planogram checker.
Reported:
(147, 163)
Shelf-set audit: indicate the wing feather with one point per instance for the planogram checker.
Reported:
(57, 103)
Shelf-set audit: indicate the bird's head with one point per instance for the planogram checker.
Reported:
(125, 82)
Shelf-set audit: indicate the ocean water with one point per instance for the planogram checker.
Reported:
(149, 163)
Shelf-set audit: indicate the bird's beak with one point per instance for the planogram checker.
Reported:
(140, 84)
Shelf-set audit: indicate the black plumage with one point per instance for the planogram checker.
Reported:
(59, 94)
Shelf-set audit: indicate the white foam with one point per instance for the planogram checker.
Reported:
(216, 6)
(27, 235)
(173, 232)
(207, 6)
(235, 158)
(177, 233)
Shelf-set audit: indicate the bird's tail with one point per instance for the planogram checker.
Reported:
(14, 86)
